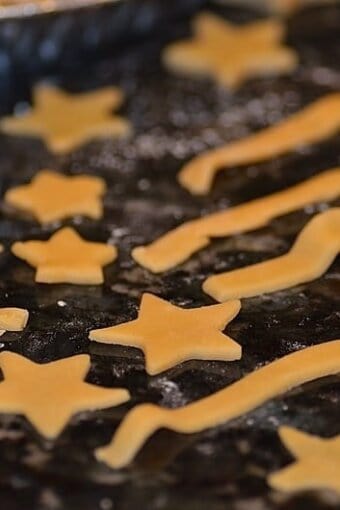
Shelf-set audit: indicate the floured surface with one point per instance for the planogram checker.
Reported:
(144, 201)
(317, 464)
(52, 196)
(193, 334)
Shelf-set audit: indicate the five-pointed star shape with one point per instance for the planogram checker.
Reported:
(66, 121)
(317, 465)
(50, 394)
(66, 258)
(169, 335)
(51, 196)
(231, 53)
(13, 319)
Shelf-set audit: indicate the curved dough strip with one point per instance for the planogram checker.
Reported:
(313, 252)
(179, 244)
(237, 399)
(316, 122)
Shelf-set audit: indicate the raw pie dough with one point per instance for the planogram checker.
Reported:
(51, 196)
(313, 252)
(66, 121)
(50, 394)
(179, 244)
(13, 319)
(237, 399)
(231, 53)
(317, 463)
(66, 258)
(316, 122)
(169, 335)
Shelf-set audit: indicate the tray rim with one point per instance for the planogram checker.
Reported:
(12, 9)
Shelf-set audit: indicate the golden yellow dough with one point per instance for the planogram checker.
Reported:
(311, 255)
(179, 244)
(66, 258)
(52, 196)
(169, 335)
(235, 400)
(49, 394)
(66, 121)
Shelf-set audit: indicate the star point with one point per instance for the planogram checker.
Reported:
(66, 121)
(169, 335)
(231, 53)
(317, 464)
(52, 196)
(66, 258)
(49, 394)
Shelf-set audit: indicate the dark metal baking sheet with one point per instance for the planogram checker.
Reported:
(174, 119)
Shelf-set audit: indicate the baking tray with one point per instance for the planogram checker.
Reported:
(223, 468)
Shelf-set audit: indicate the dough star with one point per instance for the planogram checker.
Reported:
(66, 121)
(51, 196)
(317, 465)
(50, 394)
(231, 53)
(170, 335)
(66, 258)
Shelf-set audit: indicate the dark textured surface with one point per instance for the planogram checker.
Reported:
(174, 119)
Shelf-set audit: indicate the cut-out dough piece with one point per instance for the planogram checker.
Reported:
(230, 53)
(169, 335)
(316, 122)
(66, 258)
(317, 463)
(13, 319)
(50, 394)
(51, 196)
(179, 244)
(313, 252)
(237, 399)
(66, 121)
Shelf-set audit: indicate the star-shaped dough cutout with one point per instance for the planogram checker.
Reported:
(13, 319)
(317, 463)
(229, 53)
(50, 394)
(51, 196)
(66, 121)
(66, 258)
(169, 335)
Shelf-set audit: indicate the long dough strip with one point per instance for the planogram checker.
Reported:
(179, 244)
(313, 252)
(237, 399)
(316, 122)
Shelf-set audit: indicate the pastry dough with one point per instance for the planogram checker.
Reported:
(170, 335)
(50, 394)
(316, 122)
(235, 400)
(179, 244)
(317, 463)
(66, 258)
(66, 121)
(313, 252)
(52, 196)
(231, 53)
(13, 319)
